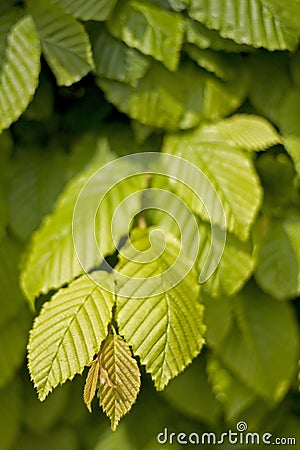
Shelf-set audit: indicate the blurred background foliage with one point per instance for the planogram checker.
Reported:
(135, 72)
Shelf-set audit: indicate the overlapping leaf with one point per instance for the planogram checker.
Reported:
(205, 38)
(150, 29)
(116, 61)
(88, 9)
(243, 131)
(65, 42)
(262, 347)
(164, 330)
(260, 23)
(8, 16)
(278, 269)
(19, 72)
(119, 391)
(228, 169)
(235, 267)
(221, 65)
(68, 332)
(177, 101)
(53, 258)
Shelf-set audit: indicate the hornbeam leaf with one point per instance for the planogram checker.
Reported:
(150, 29)
(177, 100)
(121, 384)
(244, 131)
(236, 264)
(231, 172)
(53, 258)
(68, 332)
(88, 9)
(260, 23)
(91, 384)
(164, 330)
(116, 61)
(204, 38)
(20, 71)
(65, 42)
(278, 269)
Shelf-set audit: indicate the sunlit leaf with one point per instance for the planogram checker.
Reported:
(177, 101)
(65, 42)
(19, 72)
(58, 349)
(164, 330)
(88, 9)
(260, 23)
(228, 169)
(91, 384)
(121, 383)
(149, 29)
(53, 257)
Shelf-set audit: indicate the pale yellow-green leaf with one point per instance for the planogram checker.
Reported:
(91, 384)
(121, 379)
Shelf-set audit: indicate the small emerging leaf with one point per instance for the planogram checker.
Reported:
(121, 381)
(91, 384)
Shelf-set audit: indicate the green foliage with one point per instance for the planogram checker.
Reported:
(174, 271)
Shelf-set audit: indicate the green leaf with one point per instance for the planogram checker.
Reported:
(224, 66)
(260, 23)
(38, 178)
(8, 17)
(279, 181)
(236, 264)
(262, 348)
(288, 123)
(68, 332)
(278, 269)
(88, 9)
(11, 415)
(115, 61)
(19, 72)
(91, 384)
(204, 38)
(151, 30)
(65, 42)
(176, 101)
(118, 392)
(164, 330)
(63, 247)
(228, 169)
(245, 131)
(191, 394)
(228, 389)
(270, 82)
